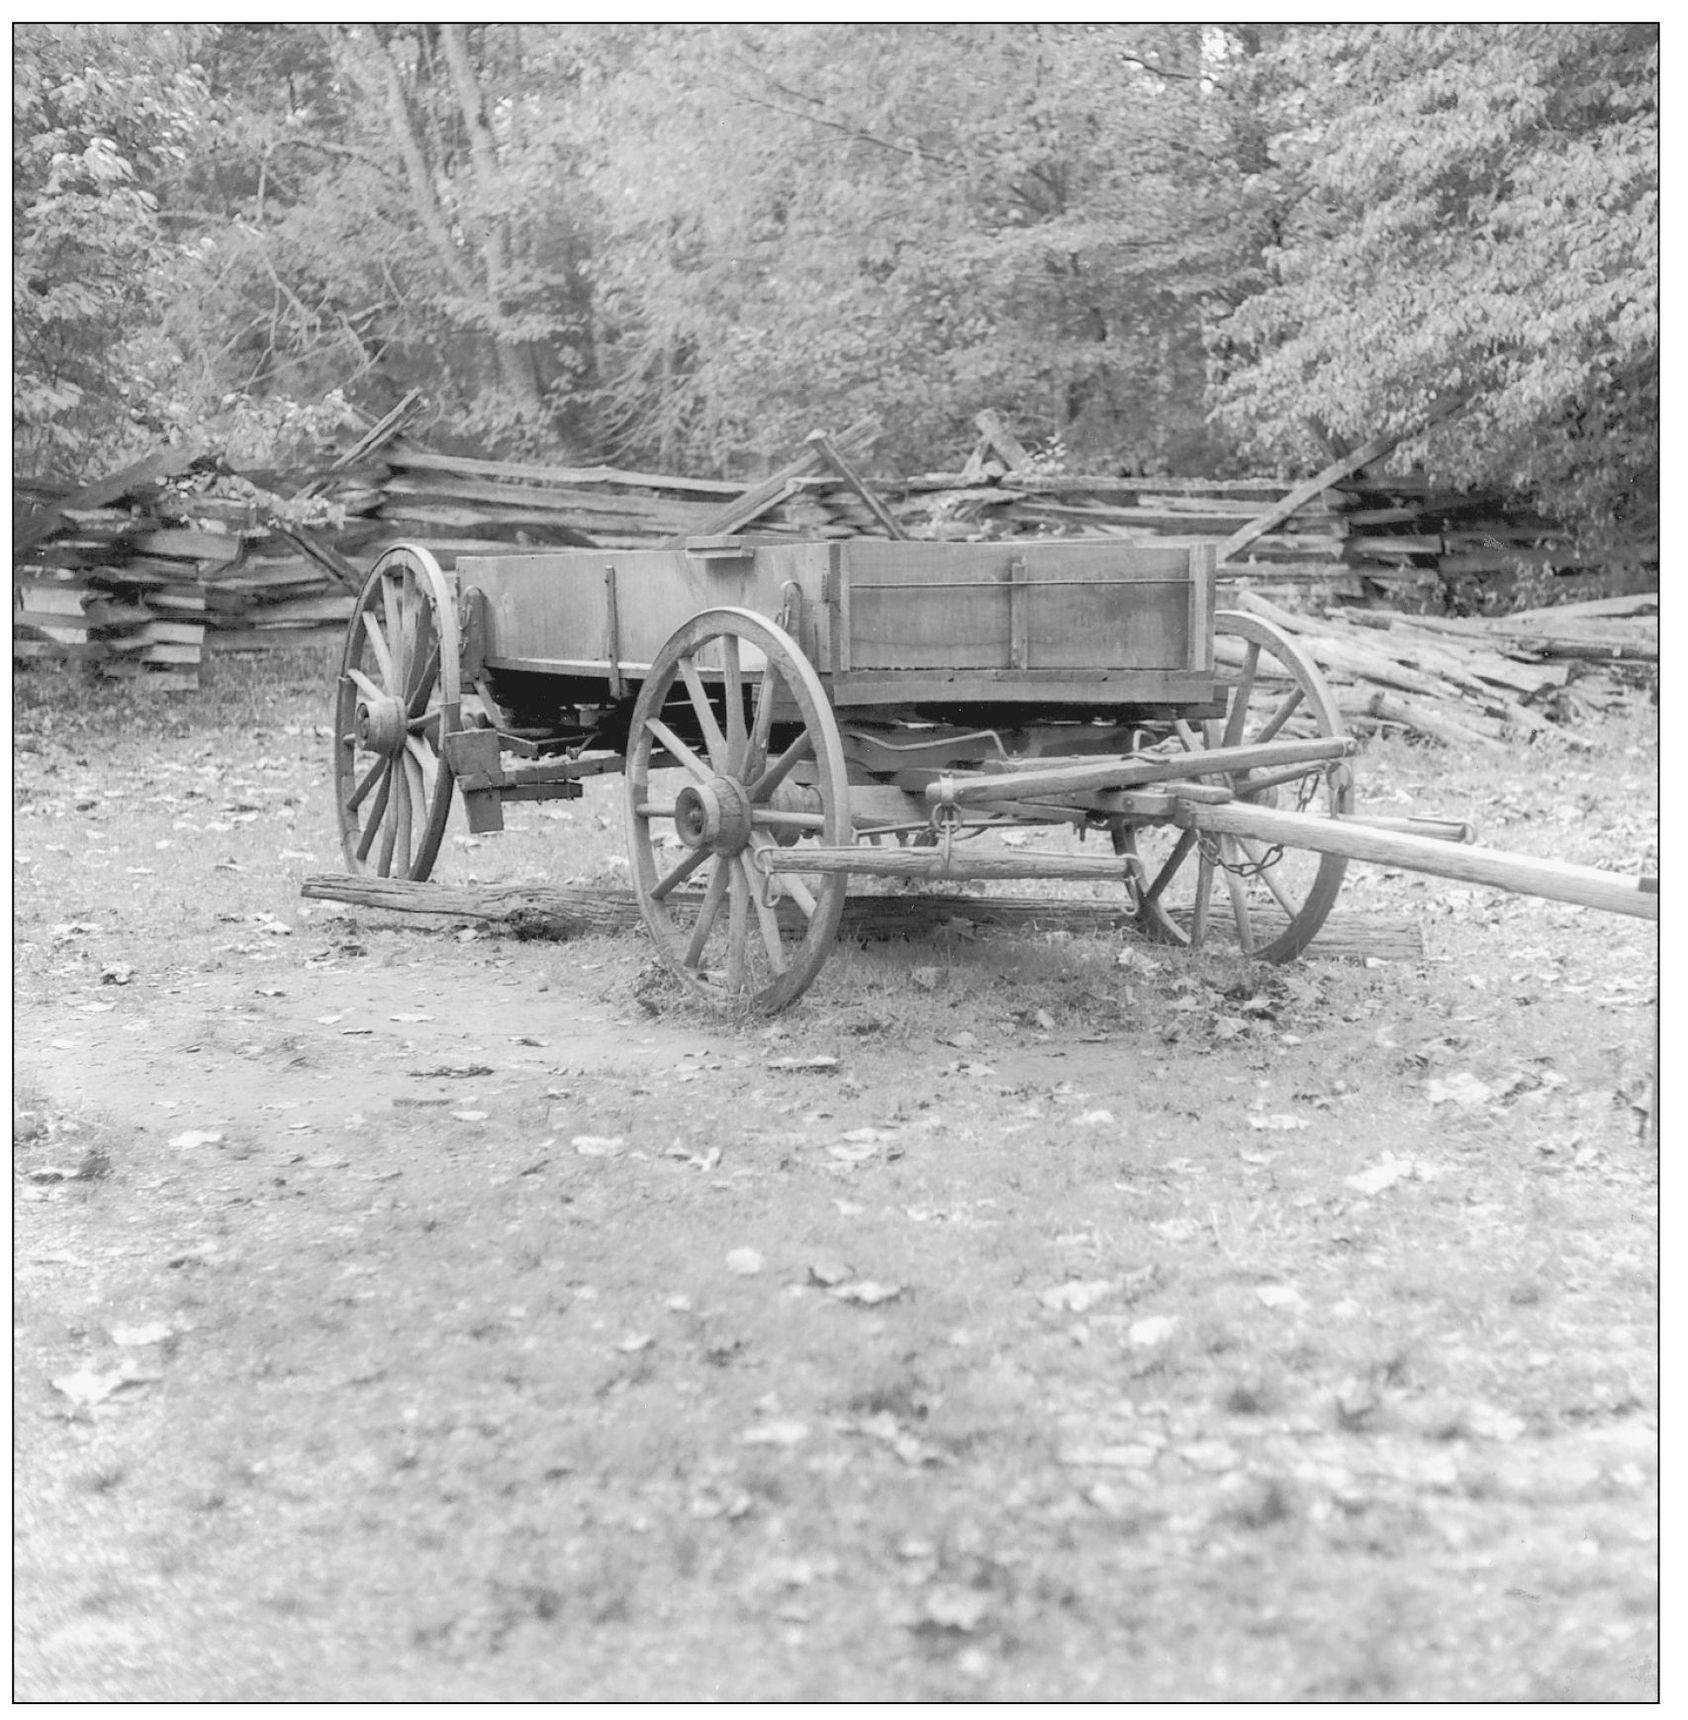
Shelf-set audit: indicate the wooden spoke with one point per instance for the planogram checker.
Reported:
(1287, 708)
(364, 685)
(733, 692)
(715, 743)
(377, 813)
(1239, 906)
(1240, 697)
(762, 724)
(378, 648)
(1180, 852)
(1204, 894)
(717, 888)
(766, 917)
(423, 681)
(738, 914)
(1267, 875)
(678, 750)
(776, 773)
(680, 874)
(397, 701)
(365, 783)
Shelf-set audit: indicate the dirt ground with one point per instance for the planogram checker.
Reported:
(410, 1313)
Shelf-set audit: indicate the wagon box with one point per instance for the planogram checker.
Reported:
(881, 623)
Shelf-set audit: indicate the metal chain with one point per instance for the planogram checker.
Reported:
(1209, 846)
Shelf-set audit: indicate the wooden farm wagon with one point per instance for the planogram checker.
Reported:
(788, 716)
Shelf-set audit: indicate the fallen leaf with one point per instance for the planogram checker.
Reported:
(827, 1272)
(1213, 1456)
(135, 1337)
(1384, 1174)
(779, 1431)
(471, 1116)
(1276, 1120)
(1156, 1329)
(1108, 1456)
(867, 1293)
(598, 1146)
(1462, 1089)
(1095, 1119)
(86, 1388)
(744, 1262)
(961, 1610)
(190, 1138)
(1074, 1298)
(1281, 1296)
(634, 1342)
(411, 1015)
(806, 1065)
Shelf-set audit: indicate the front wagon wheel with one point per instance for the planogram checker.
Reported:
(396, 701)
(734, 752)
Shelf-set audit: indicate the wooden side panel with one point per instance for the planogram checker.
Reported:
(1024, 606)
(550, 611)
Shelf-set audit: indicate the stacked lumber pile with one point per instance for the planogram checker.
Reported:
(145, 571)
(1465, 682)
(1405, 539)
(110, 579)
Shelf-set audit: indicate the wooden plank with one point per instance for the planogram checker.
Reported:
(411, 460)
(1364, 455)
(738, 514)
(178, 543)
(162, 464)
(841, 465)
(1007, 445)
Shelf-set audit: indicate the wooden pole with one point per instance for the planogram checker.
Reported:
(1556, 880)
(1129, 772)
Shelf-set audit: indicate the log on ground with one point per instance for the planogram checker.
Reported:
(562, 912)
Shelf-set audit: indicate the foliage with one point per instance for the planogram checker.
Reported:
(102, 116)
(1467, 210)
(802, 224)
(1160, 248)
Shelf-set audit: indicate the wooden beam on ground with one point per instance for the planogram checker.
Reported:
(558, 912)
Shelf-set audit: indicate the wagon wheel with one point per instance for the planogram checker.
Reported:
(766, 769)
(397, 700)
(1234, 892)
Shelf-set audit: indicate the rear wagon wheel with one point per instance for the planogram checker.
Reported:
(397, 699)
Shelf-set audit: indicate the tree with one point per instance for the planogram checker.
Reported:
(801, 223)
(1471, 210)
(102, 117)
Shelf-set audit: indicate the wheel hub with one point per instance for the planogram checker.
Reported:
(381, 725)
(713, 815)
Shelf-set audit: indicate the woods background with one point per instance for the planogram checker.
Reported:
(1200, 251)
